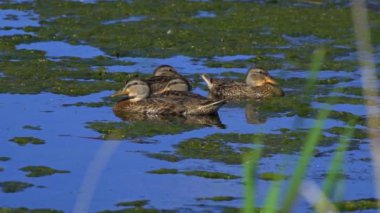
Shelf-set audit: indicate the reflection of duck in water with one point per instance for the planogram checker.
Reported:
(162, 75)
(252, 115)
(198, 120)
(259, 84)
(141, 101)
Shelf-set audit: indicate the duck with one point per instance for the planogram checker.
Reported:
(140, 100)
(162, 75)
(258, 85)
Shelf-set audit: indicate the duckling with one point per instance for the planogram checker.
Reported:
(162, 75)
(140, 100)
(259, 84)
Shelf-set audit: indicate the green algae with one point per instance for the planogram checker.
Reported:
(163, 171)
(39, 171)
(197, 173)
(1, 169)
(89, 104)
(5, 158)
(217, 198)
(31, 127)
(210, 175)
(272, 176)
(342, 100)
(164, 156)
(139, 210)
(22, 141)
(357, 205)
(135, 203)
(26, 210)
(358, 133)
(221, 147)
(14, 186)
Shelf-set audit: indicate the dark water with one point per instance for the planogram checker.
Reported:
(106, 168)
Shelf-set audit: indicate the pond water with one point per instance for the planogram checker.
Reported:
(63, 148)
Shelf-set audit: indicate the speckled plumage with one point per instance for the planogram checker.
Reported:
(168, 103)
(258, 85)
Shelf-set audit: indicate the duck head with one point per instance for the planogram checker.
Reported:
(258, 77)
(165, 70)
(135, 90)
(177, 84)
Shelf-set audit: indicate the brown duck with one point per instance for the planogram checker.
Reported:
(259, 84)
(162, 75)
(140, 100)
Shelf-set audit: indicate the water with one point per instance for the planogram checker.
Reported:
(111, 166)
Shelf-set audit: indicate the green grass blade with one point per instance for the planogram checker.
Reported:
(250, 168)
(306, 154)
(271, 200)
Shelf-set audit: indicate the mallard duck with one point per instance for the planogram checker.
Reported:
(162, 75)
(178, 88)
(259, 84)
(140, 100)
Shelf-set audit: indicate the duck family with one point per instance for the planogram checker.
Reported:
(169, 93)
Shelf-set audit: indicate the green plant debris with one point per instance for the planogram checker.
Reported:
(198, 173)
(1, 169)
(218, 198)
(14, 186)
(164, 156)
(26, 210)
(357, 205)
(27, 140)
(342, 100)
(89, 104)
(210, 175)
(272, 176)
(164, 171)
(31, 127)
(358, 133)
(139, 210)
(347, 116)
(39, 171)
(136, 203)
(5, 158)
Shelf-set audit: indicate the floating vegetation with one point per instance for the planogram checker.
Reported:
(39, 171)
(358, 133)
(31, 127)
(5, 158)
(218, 198)
(272, 176)
(198, 173)
(26, 210)
(14, 186)
(358, 205)
(22, 141)
(136, 203)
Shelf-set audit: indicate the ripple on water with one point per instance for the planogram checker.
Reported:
(62, 49)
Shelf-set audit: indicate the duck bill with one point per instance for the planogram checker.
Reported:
(270, 80)
(120, 93)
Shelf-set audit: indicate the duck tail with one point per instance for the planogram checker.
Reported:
(209, 108)
(208, 80)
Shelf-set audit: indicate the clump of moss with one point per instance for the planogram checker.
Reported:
(14, 186)
(357, 205)
(273, 176)
(39, 171)
(136, 203)
(31, 127)
(27, 140)
(218, 198)
(342, 100)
